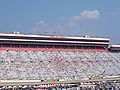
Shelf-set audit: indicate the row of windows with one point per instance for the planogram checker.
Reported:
(49, 46)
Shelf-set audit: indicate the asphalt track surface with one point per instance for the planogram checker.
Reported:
(38, 82)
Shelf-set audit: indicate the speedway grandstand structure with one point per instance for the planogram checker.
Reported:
(59, 58)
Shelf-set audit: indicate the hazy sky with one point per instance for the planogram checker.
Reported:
(62, 17)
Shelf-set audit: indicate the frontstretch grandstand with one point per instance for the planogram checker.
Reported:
(43, 57)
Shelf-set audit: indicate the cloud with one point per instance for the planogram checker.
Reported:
(41, 22)
(86, 14)
(90, 14)
(75, 18)
(41, 27)
(72, 24)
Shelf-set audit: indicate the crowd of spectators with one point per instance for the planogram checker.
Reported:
(107, 85)
(62, 65)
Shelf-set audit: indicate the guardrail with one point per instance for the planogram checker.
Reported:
(38, 82)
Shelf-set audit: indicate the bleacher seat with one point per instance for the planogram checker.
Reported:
(57, 63)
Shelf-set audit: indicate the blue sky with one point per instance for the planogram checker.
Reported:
(62, 17)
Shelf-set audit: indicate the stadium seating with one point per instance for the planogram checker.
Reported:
(67, 64)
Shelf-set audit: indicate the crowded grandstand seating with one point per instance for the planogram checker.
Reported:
(50, 63)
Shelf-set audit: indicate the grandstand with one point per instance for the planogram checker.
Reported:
(58, 58)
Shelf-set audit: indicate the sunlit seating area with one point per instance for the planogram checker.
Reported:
(57, 64)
